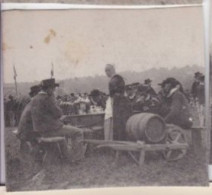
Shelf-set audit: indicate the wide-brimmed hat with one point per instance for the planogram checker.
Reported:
(95, 93)
(34, 89)
(171, 81)
(197, 74)
(49, 83)
(162, 83)
(147, 81)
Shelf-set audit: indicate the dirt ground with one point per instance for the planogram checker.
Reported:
(99, 170)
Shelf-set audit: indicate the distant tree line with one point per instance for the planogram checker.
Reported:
(86, 84)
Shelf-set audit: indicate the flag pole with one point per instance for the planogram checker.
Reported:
(52, 71)
(15, 75)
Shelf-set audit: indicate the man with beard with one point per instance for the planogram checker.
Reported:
(118, 108)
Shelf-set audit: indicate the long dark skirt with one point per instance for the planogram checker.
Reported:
(121, 113)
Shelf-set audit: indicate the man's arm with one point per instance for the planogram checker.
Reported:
(53, 108)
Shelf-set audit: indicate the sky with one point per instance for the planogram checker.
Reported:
(81, 42)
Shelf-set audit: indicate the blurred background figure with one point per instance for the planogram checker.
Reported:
(201, 100)
(195, 85)
(10, 106)
(149, 89)
(97, 99)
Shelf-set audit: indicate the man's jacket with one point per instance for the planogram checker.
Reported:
(179, 110)
(45, 113)
(25, 124)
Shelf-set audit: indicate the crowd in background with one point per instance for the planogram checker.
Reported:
(142, 98)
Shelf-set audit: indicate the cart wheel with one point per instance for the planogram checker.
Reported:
(175, 135)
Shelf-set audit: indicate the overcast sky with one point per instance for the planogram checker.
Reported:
(80, 42)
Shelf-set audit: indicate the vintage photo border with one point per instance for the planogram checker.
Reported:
(45, 6)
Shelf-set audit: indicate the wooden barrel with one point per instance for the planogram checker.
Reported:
(146, 127)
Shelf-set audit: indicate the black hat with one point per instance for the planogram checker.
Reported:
(95, 93)
(49, 83)
(162, 83)
(197, 74)
(34, 89)
(147, 81)
(170, 80)
(10, 97)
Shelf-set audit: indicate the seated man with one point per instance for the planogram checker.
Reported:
(179, 112)
(46, 120)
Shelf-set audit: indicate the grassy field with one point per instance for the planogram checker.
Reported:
(99, 170)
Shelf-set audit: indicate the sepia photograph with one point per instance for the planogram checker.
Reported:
(104, 98)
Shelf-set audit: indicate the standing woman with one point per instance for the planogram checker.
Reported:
(118, 107)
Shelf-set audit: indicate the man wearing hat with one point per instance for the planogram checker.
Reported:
(150, 90)
(46, 118)
(195, 84)
(25, 127)
(179, 112)
(97, 99)
(34, 90)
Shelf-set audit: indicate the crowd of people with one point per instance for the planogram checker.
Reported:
(141, 96)
(74, 104)
(172, 102)
(42, 114)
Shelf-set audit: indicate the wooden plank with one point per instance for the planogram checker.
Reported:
(135, 146)
(197, 128)
(142, 153)
(146, 147)
(85, 115)
(50, 139)
(95, 141)
(120, 147)
(155, 147)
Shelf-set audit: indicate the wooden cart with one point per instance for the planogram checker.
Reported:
(173, 144)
